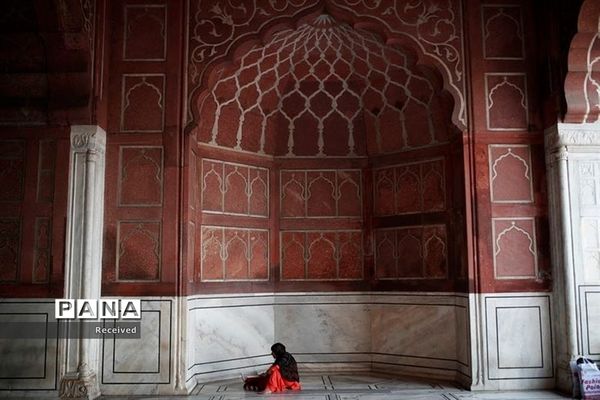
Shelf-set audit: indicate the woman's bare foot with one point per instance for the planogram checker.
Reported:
(266, 391)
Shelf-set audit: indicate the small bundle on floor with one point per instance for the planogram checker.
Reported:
(256, 383)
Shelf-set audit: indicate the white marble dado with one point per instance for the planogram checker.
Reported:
(29, 363)
(137, 356)
(31, 367)
(425, 334)
(325, 331)
(589, 303)
(228, 335)
(398, 332)
(422, 336)
(517, 350)
(418, 324)
(323, 328)
(145, 365)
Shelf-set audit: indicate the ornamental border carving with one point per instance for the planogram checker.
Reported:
(572, 135)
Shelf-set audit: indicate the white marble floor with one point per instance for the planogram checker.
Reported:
(353, 387)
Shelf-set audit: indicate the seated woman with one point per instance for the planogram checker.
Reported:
(283, 374)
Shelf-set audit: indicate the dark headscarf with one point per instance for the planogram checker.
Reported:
(285, 361)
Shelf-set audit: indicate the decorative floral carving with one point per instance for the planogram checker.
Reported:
(12, 170)
(413, 252)
(409, 188)
(88, 9)
(234, 189)
(234, 254)
(320, 193)
(433, 26)
(43, 250)
(218, 25)
(321, 255)
(10, 249)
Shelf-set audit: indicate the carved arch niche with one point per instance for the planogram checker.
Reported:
(329, 112)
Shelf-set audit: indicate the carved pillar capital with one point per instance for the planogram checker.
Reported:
(564, 135)
(86, 138)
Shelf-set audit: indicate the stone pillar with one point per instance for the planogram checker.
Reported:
(573, 173)
(83, 253)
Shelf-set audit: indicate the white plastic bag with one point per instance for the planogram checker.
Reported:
(589, 376)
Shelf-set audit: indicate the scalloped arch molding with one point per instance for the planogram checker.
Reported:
(430, 28)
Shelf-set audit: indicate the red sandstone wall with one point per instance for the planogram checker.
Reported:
(254, 223)
(361, 193)
(230, 228)
(33, 203)
(314, 225)
(250, 222)
(141, 245)
(507, 128)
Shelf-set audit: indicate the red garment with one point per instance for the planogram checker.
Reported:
(276, 382)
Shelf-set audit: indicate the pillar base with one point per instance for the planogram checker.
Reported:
(79, 387)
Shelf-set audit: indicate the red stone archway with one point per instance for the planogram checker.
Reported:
(582, 84)
(356, 183)
(324, 76)
(433, 33)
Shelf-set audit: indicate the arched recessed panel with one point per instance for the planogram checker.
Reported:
(322, 89)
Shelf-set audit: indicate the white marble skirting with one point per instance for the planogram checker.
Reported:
(419, 334)
(32, 367)
(483, 342)
(29, 363)
(515, 350)
(145, 365)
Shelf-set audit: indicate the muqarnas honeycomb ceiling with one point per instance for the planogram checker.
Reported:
(324, 89)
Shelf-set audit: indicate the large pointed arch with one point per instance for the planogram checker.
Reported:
(366, 96)
(582, 84)
(218, 29)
